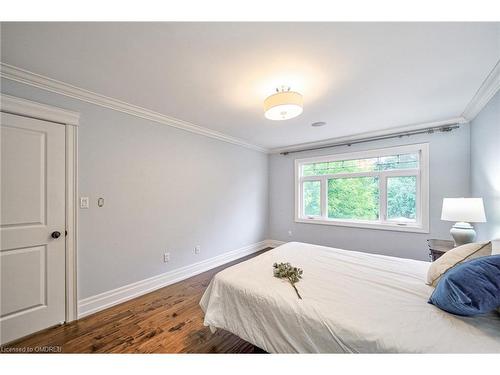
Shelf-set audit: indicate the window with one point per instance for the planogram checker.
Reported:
(381, 189)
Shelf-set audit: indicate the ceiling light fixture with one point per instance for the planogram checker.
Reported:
(283, 105)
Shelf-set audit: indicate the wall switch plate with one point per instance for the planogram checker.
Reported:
(166, 257)
(197, 249)
(84, 202)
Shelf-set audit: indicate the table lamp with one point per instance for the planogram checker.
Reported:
(463, 211)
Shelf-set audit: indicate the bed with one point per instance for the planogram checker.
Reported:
(352, 302)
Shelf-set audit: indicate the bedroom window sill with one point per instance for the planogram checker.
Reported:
(356, 224)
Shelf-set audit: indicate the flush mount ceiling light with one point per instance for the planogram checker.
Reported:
(283, 105)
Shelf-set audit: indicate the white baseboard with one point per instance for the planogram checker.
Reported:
(274, 243)
(113, 297)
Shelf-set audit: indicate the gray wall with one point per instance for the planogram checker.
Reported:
(167, 189)
(449, 177)
(164, 188)
(485, 166)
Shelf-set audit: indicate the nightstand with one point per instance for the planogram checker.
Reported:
(439, 247)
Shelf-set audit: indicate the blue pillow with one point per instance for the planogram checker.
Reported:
(470, 288)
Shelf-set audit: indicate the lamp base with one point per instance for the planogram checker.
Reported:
(463, 233)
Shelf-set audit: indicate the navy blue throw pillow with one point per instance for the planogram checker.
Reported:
(470, 288)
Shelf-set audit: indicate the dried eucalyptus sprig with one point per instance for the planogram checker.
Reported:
(287, 271)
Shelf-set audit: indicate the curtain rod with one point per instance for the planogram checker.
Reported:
(431, 130)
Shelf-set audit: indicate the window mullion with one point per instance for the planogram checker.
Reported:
(324, 197)
(401, 172)
(300, 202)
(383, 197)
(418, 200)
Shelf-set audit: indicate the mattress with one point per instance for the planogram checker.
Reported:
(353, 302)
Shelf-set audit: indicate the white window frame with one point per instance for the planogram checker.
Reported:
(422, 201)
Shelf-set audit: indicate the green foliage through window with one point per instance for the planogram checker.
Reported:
(353, 198)
(402, 198)
(312, 198)
(356, 188)
(382, 163)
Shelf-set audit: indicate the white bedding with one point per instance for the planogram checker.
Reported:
(352, 302)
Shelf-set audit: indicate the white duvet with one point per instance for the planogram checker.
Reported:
(352, 302)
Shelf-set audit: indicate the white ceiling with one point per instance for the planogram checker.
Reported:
(358, 77)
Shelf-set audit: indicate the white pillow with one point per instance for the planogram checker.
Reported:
(456, 256)
(495, 247)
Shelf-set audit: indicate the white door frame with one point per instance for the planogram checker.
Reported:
(70, 120)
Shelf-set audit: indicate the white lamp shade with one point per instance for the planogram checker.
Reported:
(470, 210)
(283, 105)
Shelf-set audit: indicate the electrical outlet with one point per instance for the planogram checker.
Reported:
(166, 257)
(197, 249)
(289, 233)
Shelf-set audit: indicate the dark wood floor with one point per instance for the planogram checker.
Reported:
(168, 320)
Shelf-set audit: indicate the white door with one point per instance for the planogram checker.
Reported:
(32, 226)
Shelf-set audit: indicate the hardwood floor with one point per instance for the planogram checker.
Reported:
(168, 320)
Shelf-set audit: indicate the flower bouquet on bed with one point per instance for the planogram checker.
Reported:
(287, 271)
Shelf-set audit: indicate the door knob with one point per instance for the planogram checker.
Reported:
(56, 234)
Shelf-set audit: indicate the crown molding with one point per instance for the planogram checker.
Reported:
(488, 89)
(28, 108)
(406, 128)
(16, 74)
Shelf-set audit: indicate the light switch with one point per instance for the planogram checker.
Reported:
(84, 202)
